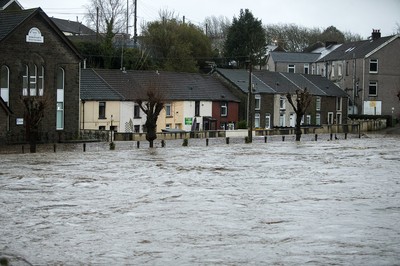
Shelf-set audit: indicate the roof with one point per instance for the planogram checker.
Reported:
(10, 20)
(94, 88)
(132, 84)
(7, 3)
(294, 57)
(358, 49)
(72, 27)
(281, 83)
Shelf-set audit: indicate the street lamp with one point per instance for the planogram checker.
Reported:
(392, 117)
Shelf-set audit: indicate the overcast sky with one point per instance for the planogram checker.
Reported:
(356, 16)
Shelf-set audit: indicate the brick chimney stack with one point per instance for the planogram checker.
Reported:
(376, 34)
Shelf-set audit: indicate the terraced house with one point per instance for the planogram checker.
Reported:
(193, 101)
(36, 61)
(368, 71)
(271, 107)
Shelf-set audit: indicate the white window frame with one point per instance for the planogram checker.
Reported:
(282, 103)
(40, 81)
(318, 119)
(257, 102)
(318, 103)
(339, 103)
(224, 109)
(373, 83)
(291, 67)
(33, 82)
(5, 83)
(25, 81)
(373, 62)
(330, 118)
(307, 66)
(256, 120)
(282, 119)
(168, 109)
(60, 99)
(267, 121)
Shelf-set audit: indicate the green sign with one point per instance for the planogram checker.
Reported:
(188, 121)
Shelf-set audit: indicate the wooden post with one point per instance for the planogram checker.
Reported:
(163, 143)
(227, 140)
(207, 142)
(316, 137)
(138, 144)
(54, 147)
(283, 138)
(84, 147)
(265, 139)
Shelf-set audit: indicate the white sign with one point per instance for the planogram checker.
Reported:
(34, 35)
(372, 107)
(20, 121)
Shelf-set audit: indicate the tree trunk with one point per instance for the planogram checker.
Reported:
(297, 128)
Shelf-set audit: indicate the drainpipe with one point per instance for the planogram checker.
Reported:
(363, 87)
(83, 114)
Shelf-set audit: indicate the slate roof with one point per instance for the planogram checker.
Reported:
(132, 84)
(72, 27)
(358, 49)
(280, 83)
(294, 57)
(10, 20)
(94, 88)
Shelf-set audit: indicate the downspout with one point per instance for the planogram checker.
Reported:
(363, 87)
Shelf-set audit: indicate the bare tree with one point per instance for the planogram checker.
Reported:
(303, 100)
(35, 107)
(151, 105)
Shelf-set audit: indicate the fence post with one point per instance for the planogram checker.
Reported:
(227, 140)
(283, 138)
(207, 142)
(138, 144)
(163, 143)
(330, 137)
(54, 147)
(265, 139)
(84, 147)
(316, 137)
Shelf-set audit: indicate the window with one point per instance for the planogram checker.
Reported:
(282, 120)
(167, 126)
(168, 109)
(373, 66)
(5, 83)
(333, 71)
(197, 108)
(60, 98)
(282, 103)
(32, 82)
(318, 119)
(308, 120)
(291, 68)
(224, 109)
(256, 120)
(136, 111)
(338, 103)
(373, 88)
(330, 118)
(40, 83)
(267, 120)
(257, 103)
(339, 118)
(347, 68)
(318, 104)
(102, 110)
(25, 81)
(340, 67)
(306, 68)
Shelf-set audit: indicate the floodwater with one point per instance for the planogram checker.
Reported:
(275, 203)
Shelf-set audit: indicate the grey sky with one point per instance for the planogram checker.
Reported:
(356, 16)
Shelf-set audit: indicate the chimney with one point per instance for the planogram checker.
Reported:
(376, 34)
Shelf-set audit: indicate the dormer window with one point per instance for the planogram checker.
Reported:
(373, 66)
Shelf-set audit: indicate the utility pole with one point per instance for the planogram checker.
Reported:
(250, 106)
(135, 22)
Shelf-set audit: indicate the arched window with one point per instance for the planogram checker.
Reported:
(60, 98)
(5, 83)
(25, 81)
(32, 81)
(40, 83)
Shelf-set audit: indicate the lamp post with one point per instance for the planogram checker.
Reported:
(392, 117)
